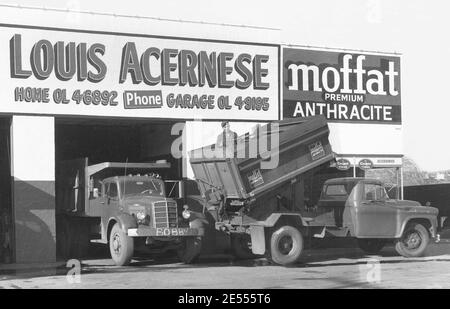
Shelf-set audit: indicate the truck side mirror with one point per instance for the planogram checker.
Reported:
(180, 189)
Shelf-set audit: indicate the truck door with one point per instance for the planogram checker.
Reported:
(332, 203)
(108, 204)
(373, 215)
(112, 197)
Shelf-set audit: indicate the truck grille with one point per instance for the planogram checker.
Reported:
(165, 214)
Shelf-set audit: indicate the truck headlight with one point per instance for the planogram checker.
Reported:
(140, 215)
(186, 212)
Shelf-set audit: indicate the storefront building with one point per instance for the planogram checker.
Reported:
(115, 89)
(123, 88)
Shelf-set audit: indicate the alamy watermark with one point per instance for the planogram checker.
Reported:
(370, 271)
(262, 143)
(74, 274)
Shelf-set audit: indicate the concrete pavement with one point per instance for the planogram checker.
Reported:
(319, 268)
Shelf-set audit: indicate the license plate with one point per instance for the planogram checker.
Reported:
(166, 231)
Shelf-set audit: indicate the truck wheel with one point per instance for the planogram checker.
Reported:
(286, 245)
(190, 249)
(414, 241)
(121, 246)
(371, 246)
(241, 245)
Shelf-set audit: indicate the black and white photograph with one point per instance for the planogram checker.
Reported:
(222, 150)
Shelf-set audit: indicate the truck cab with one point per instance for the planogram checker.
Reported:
(361, 208)
(142, 197)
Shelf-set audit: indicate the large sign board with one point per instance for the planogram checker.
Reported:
(92, 73)
(343, 86)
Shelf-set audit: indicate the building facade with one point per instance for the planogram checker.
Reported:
(113, 88)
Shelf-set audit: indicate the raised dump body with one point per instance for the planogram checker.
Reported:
(303, 145)
(246, 192)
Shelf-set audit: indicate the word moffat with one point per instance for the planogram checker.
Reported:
(338, 111)
(347, 80)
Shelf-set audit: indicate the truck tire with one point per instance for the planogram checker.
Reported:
(121, 246)
(414, 241)
(190, 249)
(371, 246)
(241, 244)
(286, 245)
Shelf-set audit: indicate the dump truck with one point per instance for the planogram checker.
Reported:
(264, 211)
(129, 206)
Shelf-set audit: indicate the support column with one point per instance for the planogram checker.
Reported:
(33, 188)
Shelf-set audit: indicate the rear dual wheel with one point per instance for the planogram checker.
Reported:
(285, 245)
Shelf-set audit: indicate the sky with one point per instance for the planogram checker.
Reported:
(415, 28)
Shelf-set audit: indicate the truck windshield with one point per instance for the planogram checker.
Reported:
(145, 187)
(337, 191)
(374, 192)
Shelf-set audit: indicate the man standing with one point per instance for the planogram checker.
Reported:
(226, 141)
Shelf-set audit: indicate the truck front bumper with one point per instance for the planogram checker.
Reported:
(144, 231)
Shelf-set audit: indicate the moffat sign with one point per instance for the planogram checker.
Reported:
(345, 87)
(86, 73)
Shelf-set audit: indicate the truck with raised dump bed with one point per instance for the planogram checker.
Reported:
(264, 212)
(129, 206)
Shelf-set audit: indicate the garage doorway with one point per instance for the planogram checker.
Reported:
(110, 140)
(115, 140)
(6, 209)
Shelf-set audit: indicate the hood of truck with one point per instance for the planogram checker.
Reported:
(413, 206)
(137, 202)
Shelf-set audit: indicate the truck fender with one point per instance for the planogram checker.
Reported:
(258, 239)
(126, 222)
(431, 228)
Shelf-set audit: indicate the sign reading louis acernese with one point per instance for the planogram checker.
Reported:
(343, 86)
(76, 72)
